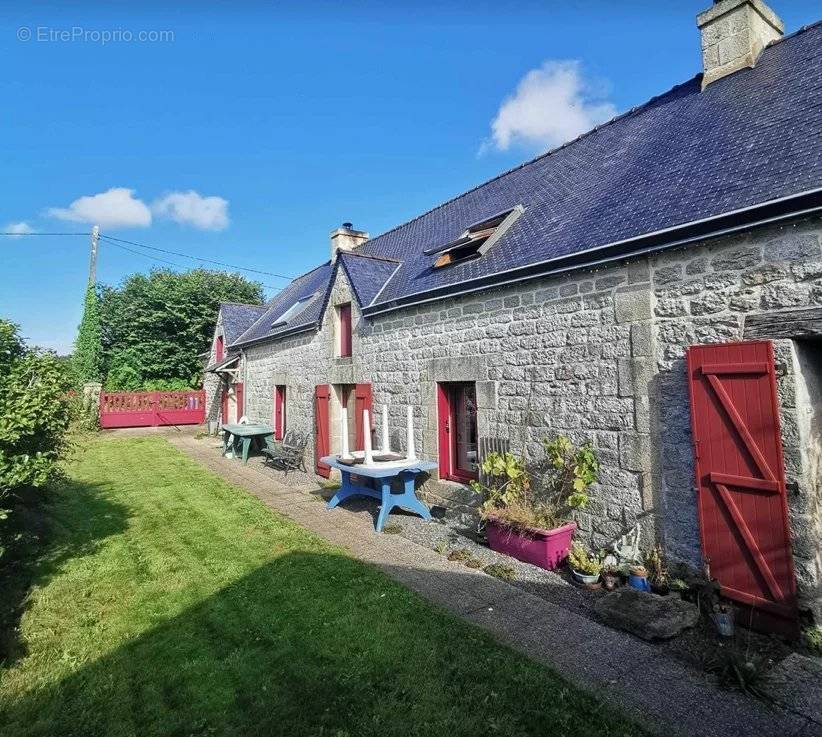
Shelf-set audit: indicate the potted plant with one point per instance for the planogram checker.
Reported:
(610, 576)
(585, 566)
(536, 531)
(657, 571)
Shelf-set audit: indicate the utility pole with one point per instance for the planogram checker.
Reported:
(92, 267)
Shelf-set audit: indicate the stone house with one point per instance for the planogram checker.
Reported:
(561, 297)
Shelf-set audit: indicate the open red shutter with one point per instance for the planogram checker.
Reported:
(743, 512)
(322, 445)
(279, 401)
(224, 406)
(362, 400)
(218, 351)
(444, 438)
(345, 330)
(239, 395)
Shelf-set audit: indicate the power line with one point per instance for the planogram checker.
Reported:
(25, 235)
(197, 258)
(170, 263)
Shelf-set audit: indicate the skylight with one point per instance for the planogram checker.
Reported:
(477, 239)
(294, 310)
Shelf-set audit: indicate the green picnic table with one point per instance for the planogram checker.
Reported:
(246, 434)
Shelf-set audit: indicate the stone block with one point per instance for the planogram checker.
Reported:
(642, 341)
(634, 376)
(632, 304)
(737, 258)
(462, 368)
(648, 616)
(635, 451)
(793, 246)
(639, 271)
(487, 394)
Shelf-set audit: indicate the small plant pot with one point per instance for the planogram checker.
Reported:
(724, 622)
(585, 578)
(610, 581)
(638, 579)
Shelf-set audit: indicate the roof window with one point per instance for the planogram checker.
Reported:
(477, 239)
(294, 310)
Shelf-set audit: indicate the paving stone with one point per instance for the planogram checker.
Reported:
(796, 683)
(648, 616)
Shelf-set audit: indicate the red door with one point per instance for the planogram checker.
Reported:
(345, 330)
(362, 401)
(743, 511)
(457, 430)
(240, 400)
(279, 412)
(322, 444)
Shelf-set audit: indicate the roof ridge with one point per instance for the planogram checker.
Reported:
(241, 304)
(632, 111)
(368, 255)
(801, 29)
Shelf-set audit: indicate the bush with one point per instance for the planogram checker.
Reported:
(34, 418)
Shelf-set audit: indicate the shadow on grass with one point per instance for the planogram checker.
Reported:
(43, 546)
(311, 644)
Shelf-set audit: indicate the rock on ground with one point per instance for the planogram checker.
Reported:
(648, 616)
(797, 684)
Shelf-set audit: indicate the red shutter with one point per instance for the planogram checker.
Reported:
(322, 444)
(218, 351)
(239, 396)
(743, 512)
(362, 401)
(279, 412)
(345, 330)
(443, 421)
(224, 406)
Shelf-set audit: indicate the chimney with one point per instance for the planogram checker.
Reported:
(346, 239)
(734, 32)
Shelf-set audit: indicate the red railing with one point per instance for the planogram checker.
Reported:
(151, 409)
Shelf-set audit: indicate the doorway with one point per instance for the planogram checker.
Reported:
(457, 431)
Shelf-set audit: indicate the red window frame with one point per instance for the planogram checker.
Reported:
(448, 397)
(219, 348)
(345, 330)
(279, 412)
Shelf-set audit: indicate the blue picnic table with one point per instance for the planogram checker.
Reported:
(381, 476)
(234, 433)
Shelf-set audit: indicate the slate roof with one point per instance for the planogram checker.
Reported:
(687, 156)
(237, 317)
(316, 282)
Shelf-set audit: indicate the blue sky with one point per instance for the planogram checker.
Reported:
(251, 130)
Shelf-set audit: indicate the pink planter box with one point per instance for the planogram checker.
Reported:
(543, 548)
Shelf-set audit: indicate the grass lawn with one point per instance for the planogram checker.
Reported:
(168, 602)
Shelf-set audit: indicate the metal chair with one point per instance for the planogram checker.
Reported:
(290, 454)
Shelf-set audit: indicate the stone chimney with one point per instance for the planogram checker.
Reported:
(734, 32)
(346, 239)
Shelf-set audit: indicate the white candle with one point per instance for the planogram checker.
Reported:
(366, 433)
(386, 441)
(346, 453)
(410, 450)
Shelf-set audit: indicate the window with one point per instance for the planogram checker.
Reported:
(279, 412)
(344, 323)
(294, 310)
(218, 349)
(458, 443)
(476, 239)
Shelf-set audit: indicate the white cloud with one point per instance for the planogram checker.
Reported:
(551, 105)
(21, 228)
(115, 208)
(191, 208)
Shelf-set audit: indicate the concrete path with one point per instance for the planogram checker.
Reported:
(664, 695)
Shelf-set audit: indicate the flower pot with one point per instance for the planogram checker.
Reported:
(724, 622)
(586, 578)
(610, 581)
(638, 579)
(544, 548)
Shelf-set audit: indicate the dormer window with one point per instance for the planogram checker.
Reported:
(344, 330)
(219, 349)
(294, 310)
(477, 239)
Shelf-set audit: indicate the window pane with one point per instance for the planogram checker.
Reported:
(466, 417)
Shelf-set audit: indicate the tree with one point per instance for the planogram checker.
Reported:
(154, 327)
(87, 361)
(34, 418)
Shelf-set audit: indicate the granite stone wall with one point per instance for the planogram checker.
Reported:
(597, 355)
